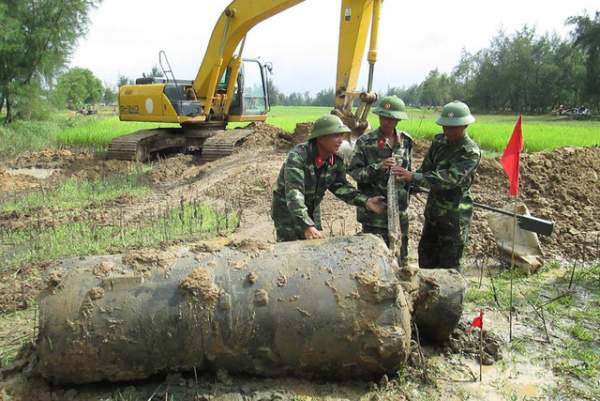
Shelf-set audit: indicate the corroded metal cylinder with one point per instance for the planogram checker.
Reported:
(331, 308)
(438, 304)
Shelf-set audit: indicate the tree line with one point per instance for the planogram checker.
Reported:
(523, 71)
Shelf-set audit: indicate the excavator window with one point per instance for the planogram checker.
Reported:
(222, 85)
(252, 99)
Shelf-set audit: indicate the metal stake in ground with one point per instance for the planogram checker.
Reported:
(510, 161)
(512, 268)
(478, 322)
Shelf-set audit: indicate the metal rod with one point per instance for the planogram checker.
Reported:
(242, 46)
(512, 268)
(529, 223)
(481, 352)
(371, 73)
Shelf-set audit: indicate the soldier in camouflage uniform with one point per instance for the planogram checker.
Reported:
(310, 169)
(448, 171)
(375, 153)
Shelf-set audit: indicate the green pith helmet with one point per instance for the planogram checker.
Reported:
(455, 114)
(328, 125)
(391, 107)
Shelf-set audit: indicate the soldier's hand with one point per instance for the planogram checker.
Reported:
(402, 173)
(388, 163)
(311, 232)
(376, 204)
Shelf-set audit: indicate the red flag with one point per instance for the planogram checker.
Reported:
(511, 157)
(478, 321)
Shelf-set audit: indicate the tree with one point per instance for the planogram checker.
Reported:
(435, 90)
(77, 87)
(154, 73)
(36, 39)
(522, 72)
(586, 36)
(110, 96)
(325, 97)
(123, 80)
(275, 96)
(410, 96)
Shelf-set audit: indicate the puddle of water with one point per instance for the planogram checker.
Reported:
(39, 173)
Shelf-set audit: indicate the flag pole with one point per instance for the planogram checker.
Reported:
(478, 322)
(481, 353)
(510, 161)
(512, 267)
(512, 259)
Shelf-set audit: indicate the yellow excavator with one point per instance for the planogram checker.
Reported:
(229, 88)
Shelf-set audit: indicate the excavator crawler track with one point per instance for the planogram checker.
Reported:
(140, 145)
(223, 143)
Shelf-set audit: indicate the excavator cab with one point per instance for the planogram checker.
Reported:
(250, 97)
(171, 100)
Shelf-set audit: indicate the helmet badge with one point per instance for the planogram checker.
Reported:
(387, 106)
(451, 115)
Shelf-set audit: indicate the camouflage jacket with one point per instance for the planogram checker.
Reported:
(365, 167)
(449, 170)
(300, 187)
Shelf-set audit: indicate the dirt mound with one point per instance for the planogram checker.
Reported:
(14, 183)
(250, 186)
(560, 185)
(49, 158)
(264, 135)
(174, 169)
(90, 169)
(466, 342)
(268, 135)
(302, 132)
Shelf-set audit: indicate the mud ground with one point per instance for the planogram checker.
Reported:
(561, 185)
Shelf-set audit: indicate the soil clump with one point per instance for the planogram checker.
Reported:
(264, 135)
(144, 261)
(200, 284)
(466, 342)
(16, 183)
(174, 169)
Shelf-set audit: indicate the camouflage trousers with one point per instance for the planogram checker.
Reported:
(288, 230)
(442, 243)
(288, 233)
(383, 233)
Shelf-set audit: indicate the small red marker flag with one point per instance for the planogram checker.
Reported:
(511, 157)
(478, 321)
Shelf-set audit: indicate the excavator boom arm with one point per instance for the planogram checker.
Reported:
(233, 25)
(356, 18)
(242, 15)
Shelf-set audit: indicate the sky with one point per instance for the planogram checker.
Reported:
(415, 37)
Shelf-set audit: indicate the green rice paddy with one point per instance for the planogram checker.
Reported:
(490, 131)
